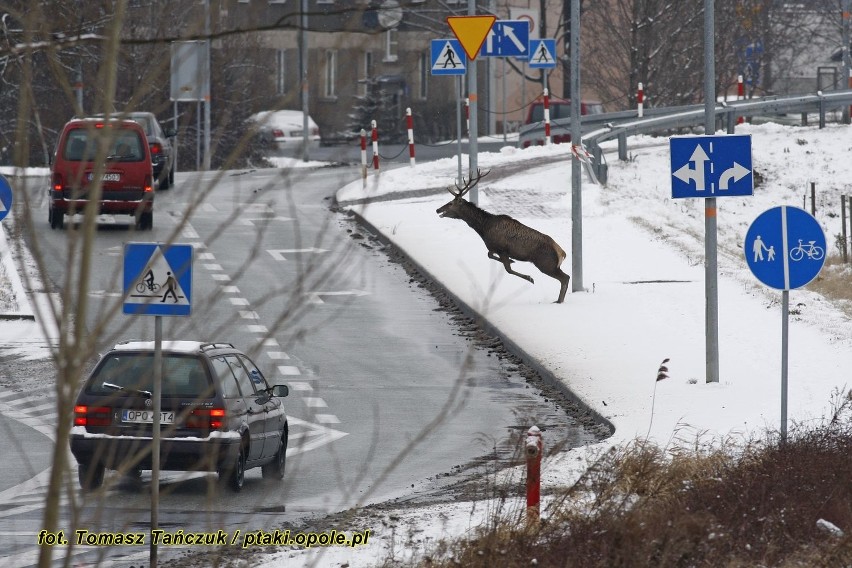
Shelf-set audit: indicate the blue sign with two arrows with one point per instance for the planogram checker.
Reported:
(5, 197)
(711, 166)
(785, 247)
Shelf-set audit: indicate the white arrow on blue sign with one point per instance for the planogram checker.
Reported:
(5, 197)
(157, 279)
(507, 38)
(785, 247)
(711, 166)
(448, 57)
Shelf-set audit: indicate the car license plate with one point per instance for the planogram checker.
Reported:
(147, 416)
(106, 177)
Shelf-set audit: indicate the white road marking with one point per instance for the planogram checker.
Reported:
(289, 370)
(327, 419)
(257, 328)
(239, 302)
(300, 386)
(314, 402)
(277, 355)
(221, 277)
(249, 315)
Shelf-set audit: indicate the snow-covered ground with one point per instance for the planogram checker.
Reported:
(644, 302)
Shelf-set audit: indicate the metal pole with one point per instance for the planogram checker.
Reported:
(813, 198)
(303, 62)
(847, 63)
(576, 173)
(155, 436)
(208, 153)
(785, 317)
(176, 144)
(843, 226)
(474, 129)
(711, 285)
(459, 94)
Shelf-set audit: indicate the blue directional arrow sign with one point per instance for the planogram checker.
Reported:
(5, 197)
(542, 54)
(711, 166)
(785, 247)
(448, 57)
(157, 279)
(507, 38)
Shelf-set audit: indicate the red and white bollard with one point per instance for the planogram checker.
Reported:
(640, 100)
(546, 97)
(375, 137)
(364, 156)
(533, 449)
(409, 122)
(467, 115)
(740, 95)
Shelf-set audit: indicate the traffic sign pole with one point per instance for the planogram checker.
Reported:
(777, 264)
(711, 284)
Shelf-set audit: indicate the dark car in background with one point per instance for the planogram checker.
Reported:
(117, 152)
(218, 413)
(160, 142)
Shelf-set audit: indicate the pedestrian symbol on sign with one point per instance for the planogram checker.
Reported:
(448, 57)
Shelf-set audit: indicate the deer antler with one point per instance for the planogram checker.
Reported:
(469, 184)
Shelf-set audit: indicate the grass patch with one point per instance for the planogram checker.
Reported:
(746, 504)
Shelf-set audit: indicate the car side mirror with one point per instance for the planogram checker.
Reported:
(170, 132)
(280, 390)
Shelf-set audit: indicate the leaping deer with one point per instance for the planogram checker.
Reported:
(507, 239)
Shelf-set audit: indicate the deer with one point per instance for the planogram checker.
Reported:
(507, 239)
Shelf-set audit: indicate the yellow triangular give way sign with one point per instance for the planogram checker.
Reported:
(471, 32)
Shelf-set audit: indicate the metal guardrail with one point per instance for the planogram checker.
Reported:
(619, 125)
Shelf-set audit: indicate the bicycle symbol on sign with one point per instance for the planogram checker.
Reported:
(813, 251)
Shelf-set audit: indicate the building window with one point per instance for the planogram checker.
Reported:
(424, 69)
(367, 73)
(330, 87)
(280, 71)
(391, 45)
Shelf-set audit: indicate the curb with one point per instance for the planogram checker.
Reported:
(25, 310)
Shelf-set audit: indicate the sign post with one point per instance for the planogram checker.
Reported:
(709, 167)
(785, 249)
(471, 32)
(158, 282)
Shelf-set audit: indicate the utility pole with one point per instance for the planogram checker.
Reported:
(303, 68)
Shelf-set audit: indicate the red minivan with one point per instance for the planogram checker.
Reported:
(115, 150)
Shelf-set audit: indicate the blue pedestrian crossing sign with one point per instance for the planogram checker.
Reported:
(785, 247)
(542, 54)
(448, 57)
(711, 166)
(5, 197)
(157, 279)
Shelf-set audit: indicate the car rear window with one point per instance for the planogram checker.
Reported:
(82, 145)
(184, 376)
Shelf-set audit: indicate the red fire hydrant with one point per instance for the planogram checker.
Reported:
(533, 449)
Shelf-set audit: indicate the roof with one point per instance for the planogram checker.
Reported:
(172, 346)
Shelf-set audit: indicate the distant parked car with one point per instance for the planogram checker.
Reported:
(127, 184)
(282, 130)
(217, 413)
(162, 149)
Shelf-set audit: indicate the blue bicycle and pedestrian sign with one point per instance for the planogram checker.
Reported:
(785, 247)
(157, 279)
(711, 166)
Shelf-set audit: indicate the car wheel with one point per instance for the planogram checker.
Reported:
(275, 469)
(235, 475)
(164, 182)
(145, 221)
(172, 175)
(55, 218)
(91, 475)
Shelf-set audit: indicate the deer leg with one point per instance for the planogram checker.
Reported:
(507, 264)
(563, 281)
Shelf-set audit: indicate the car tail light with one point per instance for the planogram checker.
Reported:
(149, 183)
(314, 131)
(156, 148)
(206, 419)
(56, 182)
(277, 133)
(92, 415)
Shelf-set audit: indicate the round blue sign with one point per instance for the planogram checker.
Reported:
(785, 247)
(5, 197)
